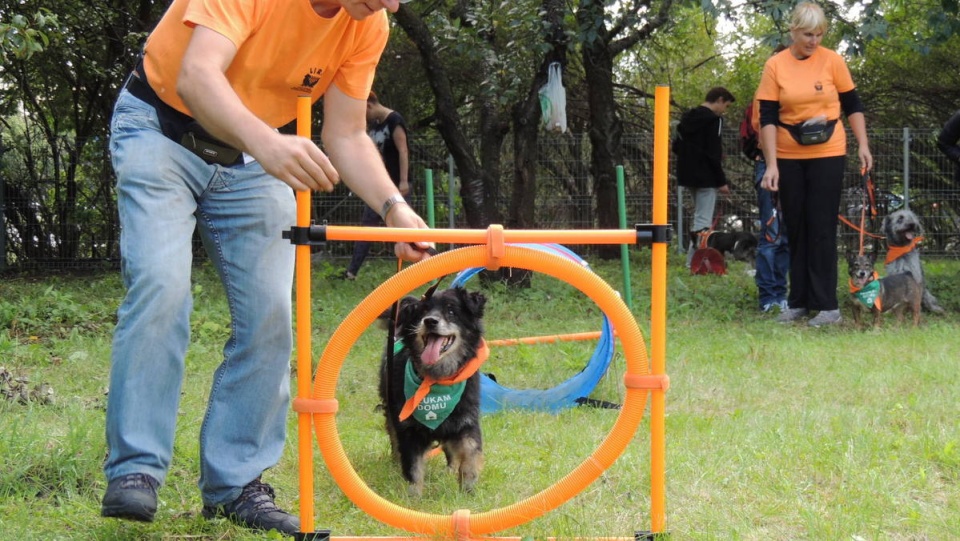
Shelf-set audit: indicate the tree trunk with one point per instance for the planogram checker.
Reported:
(479, 212)
(606, 128)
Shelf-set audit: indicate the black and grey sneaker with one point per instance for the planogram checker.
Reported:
(256, 509)
(131, 497)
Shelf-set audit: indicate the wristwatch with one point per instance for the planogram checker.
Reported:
(389, 204)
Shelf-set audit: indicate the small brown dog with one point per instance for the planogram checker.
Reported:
(871, 294)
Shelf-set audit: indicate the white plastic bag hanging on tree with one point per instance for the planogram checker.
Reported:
(553, 100)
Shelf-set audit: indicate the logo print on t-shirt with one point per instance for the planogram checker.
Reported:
(310, 80)
(818, 86)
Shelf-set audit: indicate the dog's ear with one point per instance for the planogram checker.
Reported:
(473, 302)
(476, 302)
(406, 310)
(851, 258)
(384, 318)
(886, 226)
(872, 257)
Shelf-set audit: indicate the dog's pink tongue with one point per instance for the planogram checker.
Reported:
(431, 353)
(910, 235)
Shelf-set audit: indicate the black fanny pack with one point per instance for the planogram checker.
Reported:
(811, 134)
(180, 128)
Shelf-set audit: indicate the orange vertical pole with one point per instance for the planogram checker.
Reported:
(304, 343)
(658, 312)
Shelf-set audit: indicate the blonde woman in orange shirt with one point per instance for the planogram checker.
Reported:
(195, 145)
(802, 93)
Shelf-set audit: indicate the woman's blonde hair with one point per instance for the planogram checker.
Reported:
(808, 16)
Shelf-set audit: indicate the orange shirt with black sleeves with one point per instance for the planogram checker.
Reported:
(284, 50)
(806, 89)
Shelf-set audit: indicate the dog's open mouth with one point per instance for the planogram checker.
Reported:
(435, 346)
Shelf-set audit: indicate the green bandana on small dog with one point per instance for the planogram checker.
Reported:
(869, 294)
(438, 404)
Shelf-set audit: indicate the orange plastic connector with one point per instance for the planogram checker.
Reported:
(312, 405)
(653, 382)
(495, 246)
(461, 525)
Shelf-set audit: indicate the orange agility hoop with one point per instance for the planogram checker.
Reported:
(640, 380)
(322, 406)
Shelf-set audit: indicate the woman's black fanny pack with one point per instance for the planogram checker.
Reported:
(811, 134)
(181, 128)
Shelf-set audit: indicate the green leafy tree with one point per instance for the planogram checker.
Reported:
(478, 60)
(56, 105)
(23, 36)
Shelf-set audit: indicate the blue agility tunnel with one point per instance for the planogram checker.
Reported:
(572, 392)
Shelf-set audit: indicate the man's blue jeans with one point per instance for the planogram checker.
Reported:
(163, 193)
(773, 251)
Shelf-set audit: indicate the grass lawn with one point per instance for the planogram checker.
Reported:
(773, 431)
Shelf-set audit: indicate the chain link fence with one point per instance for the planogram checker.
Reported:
(909, 172)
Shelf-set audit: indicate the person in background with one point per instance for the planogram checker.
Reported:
(699, 153)
(194, 143)
(389, 132)
(773, 249)
(949, 142)
(802, 92)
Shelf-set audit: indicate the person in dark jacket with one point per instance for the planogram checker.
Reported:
(389, 132)
(949, 142)
(699, 151)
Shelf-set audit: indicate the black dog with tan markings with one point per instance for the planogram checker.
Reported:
(430, 385)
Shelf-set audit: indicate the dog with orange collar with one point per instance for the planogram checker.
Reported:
(430, 384)
(869, 293)
(903, 232)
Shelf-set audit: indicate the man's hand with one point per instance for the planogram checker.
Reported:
(402, 215)
(297, 161)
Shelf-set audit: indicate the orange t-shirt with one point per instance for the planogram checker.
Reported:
(284, 50)
(806, 89)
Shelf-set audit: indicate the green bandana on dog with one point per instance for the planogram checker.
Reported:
(438, 404)
(869, 294)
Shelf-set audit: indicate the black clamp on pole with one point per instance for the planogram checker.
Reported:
(313, 235)
(320, 535)
(652, 233)
(645, 535)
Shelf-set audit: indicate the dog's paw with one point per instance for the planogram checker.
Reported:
(415, 490)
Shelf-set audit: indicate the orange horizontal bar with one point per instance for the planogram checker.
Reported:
(411, 538)
(547, 339)
(480, 236)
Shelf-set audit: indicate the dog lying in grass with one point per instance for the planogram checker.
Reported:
(896, 293)
(430, 385)
(903, 231)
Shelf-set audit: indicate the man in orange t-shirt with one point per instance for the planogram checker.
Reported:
(802, 92)
(195, 145)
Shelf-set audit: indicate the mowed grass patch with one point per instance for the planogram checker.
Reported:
(773, 431)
